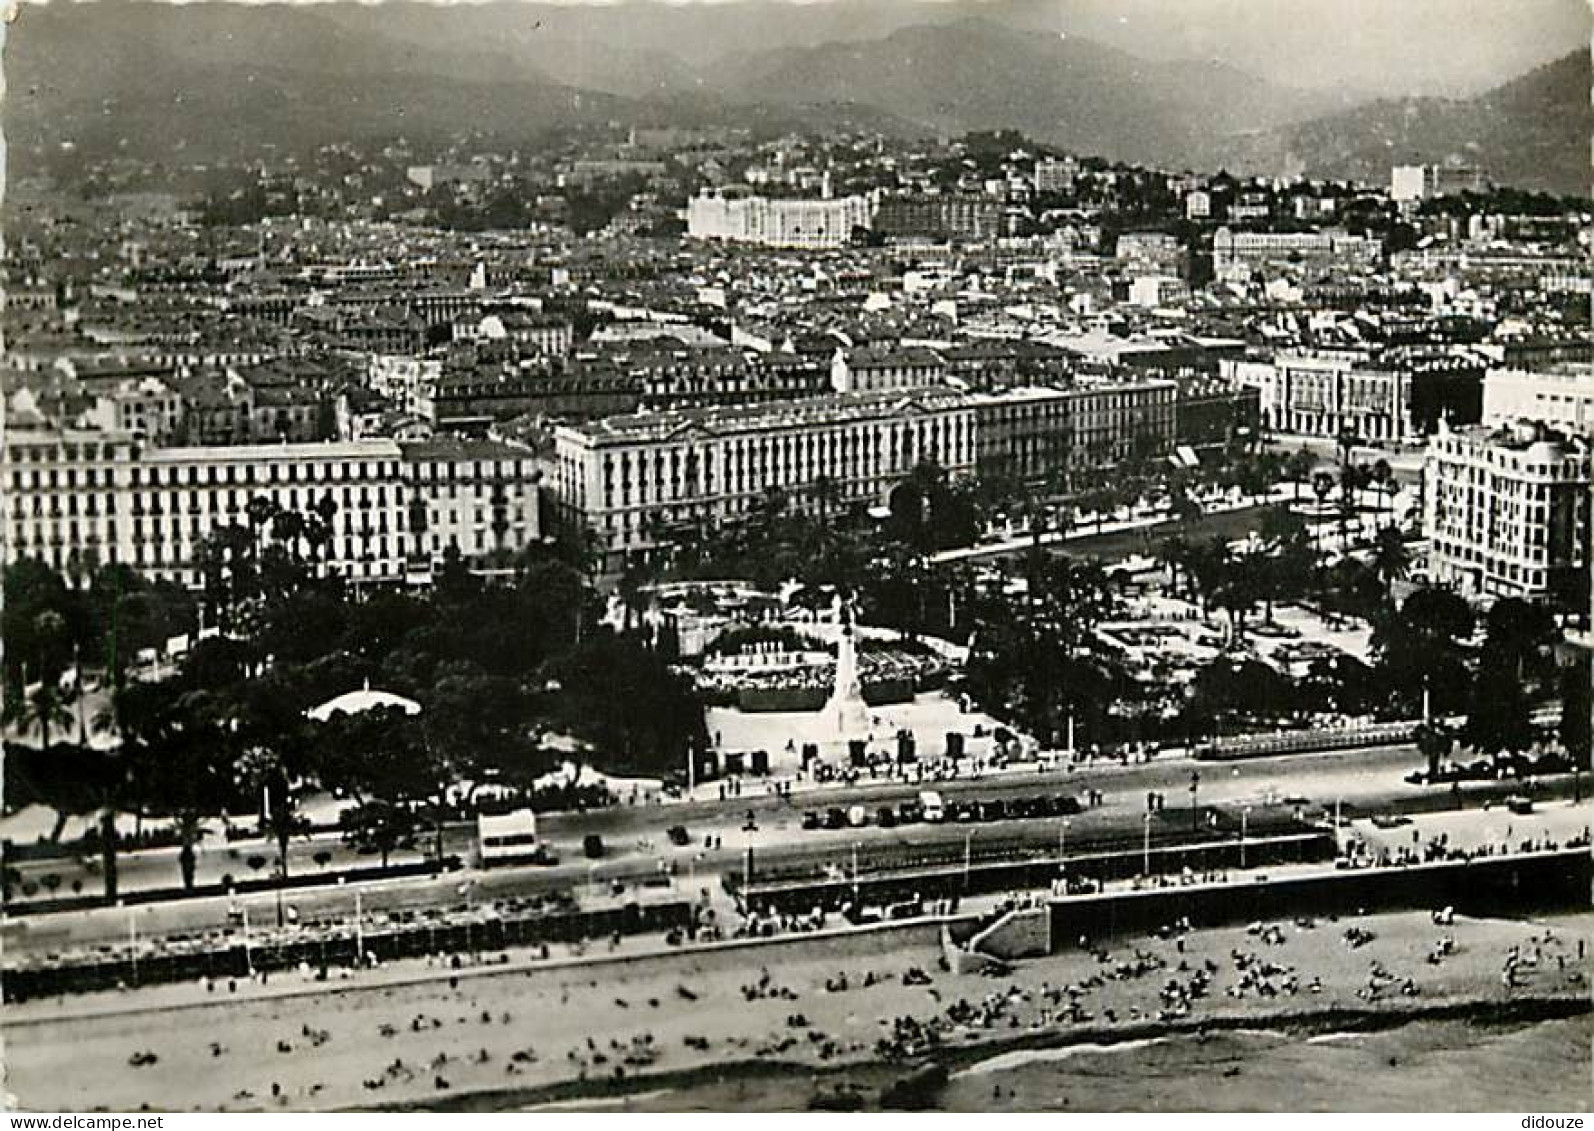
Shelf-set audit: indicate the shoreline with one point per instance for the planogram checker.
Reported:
(589, 1031)
(1297, 1023)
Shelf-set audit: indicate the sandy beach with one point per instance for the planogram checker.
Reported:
(563, 1031)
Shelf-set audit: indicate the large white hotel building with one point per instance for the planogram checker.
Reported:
(1561, 396)
(772, 222)
(628, 478)
(79, 498)
(1506, 510)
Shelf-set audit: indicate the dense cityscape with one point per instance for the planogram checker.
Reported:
(655, 596)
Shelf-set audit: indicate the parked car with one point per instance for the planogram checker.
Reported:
(886, 817)
(909, 813)
(812, 820)
(835, 818)
(679, 836)
(592, 846)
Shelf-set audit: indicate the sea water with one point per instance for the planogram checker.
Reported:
(1449, 1065)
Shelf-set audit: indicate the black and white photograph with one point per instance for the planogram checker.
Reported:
(796, 556)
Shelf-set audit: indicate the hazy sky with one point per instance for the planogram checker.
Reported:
(1366, 46)
(1375, 46)
(1400, 46)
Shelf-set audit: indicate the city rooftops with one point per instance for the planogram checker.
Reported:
(449, 449)
(1520, 435)
(654, 427)
(260, 453)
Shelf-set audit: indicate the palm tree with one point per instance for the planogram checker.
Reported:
(1383, 477)
(44, 709)
(1322, 487)
(1174, 551)
(826, 494)
(1391, 558)
(287, 528)
(633, 580)
(261, 509)
(1298, 466)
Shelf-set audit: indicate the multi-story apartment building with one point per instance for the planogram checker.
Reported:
(409, 382)
(149, 407)
(78, 498)
(1333, 394)
(1409, 183)
(1112, 421)
(429, 177)
(1056, 175)
(685, 377)
(1506, 511)
(1152, 253)
(472, 400)
(542, 335)
(1561, 396)
(1022, 435)
(1239, 255)
(810, 224)
(629, 479)
(869, 369)
(958, 216)
(1211, 412)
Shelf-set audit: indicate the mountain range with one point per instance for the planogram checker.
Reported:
(149, 79)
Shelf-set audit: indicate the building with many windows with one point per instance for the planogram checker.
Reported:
(1561, 396)
(940, 216)
(1506, 511)
(812, 224)
(78, 499)
(631, 479)
(1352, 392)
(868, 369)
(1239, 254)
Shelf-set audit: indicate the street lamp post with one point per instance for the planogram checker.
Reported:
(968, 856)
(1145, 851)
(249, 960)
(1245, 814)
(1195, 809)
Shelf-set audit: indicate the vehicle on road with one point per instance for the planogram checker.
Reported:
(931, 807)
(679, 836)
(592, 847)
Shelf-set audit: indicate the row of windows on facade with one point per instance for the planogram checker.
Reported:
(752, 465)
(1497, 471)
(313, 472)
(176, 543)
(1526, 575)
(813, 446)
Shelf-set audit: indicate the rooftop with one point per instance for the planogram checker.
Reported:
(730, 420)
